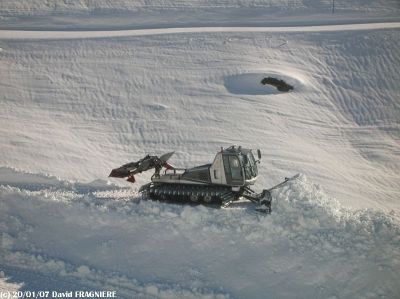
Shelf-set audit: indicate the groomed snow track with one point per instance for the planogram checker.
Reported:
(42, 34)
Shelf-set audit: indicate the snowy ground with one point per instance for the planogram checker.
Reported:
(76, 103)
(102, 238)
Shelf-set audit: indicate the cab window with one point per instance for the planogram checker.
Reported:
(235, 168)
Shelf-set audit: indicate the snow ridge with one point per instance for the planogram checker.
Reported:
(92, 279)
(60, 35)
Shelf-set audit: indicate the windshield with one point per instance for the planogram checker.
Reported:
(250, 166)
(233, 169)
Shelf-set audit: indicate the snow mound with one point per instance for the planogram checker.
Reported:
(29, 181)
(250, 83)
(113, 239)
(323, 224)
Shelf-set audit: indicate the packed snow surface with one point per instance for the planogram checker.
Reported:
(89, 85)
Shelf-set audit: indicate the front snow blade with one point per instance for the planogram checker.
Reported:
(264, 209)
(264, 199)
(265, 202)
(284, 182)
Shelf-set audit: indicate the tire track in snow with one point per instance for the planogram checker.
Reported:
(25, 34)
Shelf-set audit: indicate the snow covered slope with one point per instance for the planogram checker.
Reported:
(105, 239)
(77, 108)
(73, 107)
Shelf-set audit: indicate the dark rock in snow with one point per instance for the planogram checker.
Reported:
(279, 84)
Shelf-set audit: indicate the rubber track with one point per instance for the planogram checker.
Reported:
(175, 192)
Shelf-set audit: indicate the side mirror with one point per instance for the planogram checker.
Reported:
(259, 154)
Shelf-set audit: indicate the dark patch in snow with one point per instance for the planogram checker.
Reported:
(253, 84)
(279, 84)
